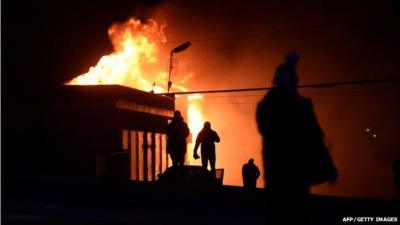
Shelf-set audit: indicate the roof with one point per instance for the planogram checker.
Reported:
(111, 94)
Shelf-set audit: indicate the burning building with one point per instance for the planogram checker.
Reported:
(90, 130)
(100, 121)
(135, 62)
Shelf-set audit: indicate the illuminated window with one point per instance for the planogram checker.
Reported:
(148, 155)
(158, 155)
(164, 159)
(140, 156)
(125, 140)
(134, 155)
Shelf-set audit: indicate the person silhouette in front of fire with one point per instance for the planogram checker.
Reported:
(294, 154)
(177, 132)
(206, 138)
(250, 174)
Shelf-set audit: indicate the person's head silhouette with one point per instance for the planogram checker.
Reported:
(177, 115)
(285, 75)
(207, 125)
(251, 161)
(292, 58)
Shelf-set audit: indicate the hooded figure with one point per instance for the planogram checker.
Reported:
(294, 153)
(285, 74)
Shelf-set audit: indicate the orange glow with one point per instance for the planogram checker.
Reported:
(195, 122)
(135, 63)
(135, 60)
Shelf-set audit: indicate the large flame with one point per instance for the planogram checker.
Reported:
(195, 122)
(135, 63)
(135, 60)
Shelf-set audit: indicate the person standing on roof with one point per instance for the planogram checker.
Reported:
(250, 174)
(177, 132)
(206, 138)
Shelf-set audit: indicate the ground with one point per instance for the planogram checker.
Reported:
(95, 201)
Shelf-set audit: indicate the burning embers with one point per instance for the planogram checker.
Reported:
(135, 63)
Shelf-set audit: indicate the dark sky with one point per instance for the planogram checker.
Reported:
(235, 44)
(47, 41)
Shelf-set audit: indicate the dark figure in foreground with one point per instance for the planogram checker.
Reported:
(177, 132)
(295, 155)
(250, 174)
(206, 138)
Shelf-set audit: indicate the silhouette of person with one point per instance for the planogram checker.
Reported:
(286, 72)
(294, 154)
(177, 132)
(206, 138)
(250, 174)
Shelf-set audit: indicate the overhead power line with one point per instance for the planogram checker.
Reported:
(252, 35)
(317, 85)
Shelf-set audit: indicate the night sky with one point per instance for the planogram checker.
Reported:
(236, 44)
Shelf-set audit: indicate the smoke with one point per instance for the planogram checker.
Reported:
(221, 64)
(237, 44)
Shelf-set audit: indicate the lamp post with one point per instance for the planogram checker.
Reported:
(179, 48)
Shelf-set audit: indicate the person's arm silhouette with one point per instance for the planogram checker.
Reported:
(216, 137)
(198, 140)
(187, 130)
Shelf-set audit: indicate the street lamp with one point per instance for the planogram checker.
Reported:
(179, 48)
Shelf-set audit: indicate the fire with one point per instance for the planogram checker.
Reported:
(195, 122)
(135, 60)
(135, 63)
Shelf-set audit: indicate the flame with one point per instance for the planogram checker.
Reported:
(135, 63)
(195, 122)
(135, 60)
